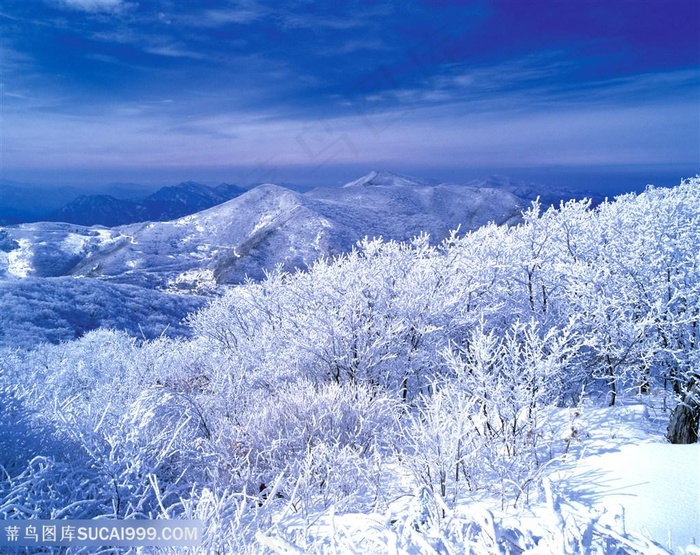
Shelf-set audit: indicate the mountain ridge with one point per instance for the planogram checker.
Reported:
(125, 203)
(263, 228)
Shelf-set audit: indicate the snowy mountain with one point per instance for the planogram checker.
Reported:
(264, 227)
(257, 231)
(186, 198)
(400, 207)
(384, 178)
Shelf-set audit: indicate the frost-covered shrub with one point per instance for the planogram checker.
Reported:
(168, 426)
(511, 378)
(480, 429)
(50, 489)
(303, 414)
(36, 310)
(157, 454)
(231, 521)
(184, 366)
(88, 380)
(149, 457)
(443, 445)
(21, 438)
(321, 438)
(144, 445)
(372, 316)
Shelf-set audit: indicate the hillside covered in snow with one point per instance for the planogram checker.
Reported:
(525, 388)
(172, 266)
(254, 232)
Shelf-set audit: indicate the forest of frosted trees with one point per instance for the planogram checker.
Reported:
(397, 369)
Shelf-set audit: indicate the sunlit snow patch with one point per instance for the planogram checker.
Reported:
(74, 243)
(198, 281)
(656, 486)
(187, 220)
(19, 260)
(265, 220)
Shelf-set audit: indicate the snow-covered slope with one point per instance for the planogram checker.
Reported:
(265, 227)
(617, 473)
(257, 231)
(400, 207)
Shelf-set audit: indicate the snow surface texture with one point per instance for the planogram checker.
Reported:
(637, 478)
(627, 469)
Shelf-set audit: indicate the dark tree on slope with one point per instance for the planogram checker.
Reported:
(684, 424)
(7, 244)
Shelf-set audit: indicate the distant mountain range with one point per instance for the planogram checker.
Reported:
(165, 204)
(125, 203)
(115, 204)
(256, 231)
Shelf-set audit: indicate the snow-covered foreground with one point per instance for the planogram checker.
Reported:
(627, 467)
(620, 488)
(656, 484)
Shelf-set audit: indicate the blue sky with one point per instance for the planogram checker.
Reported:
(159, 91)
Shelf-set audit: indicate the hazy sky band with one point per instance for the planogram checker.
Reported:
(226, 86)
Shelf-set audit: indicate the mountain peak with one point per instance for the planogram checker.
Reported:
(389, 179)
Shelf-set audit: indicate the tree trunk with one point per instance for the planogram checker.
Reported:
(611, 381)
(685, 418)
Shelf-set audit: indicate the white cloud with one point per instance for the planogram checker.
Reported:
(241, 12)
(94, 6)
(622, 121)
